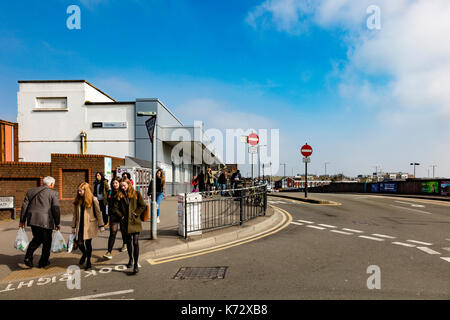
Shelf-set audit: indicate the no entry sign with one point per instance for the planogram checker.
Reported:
(253, 139)
(306, 150)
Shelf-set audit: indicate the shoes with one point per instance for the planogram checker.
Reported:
(135, 269)
(43, 265)
(82, 260)
(28, 263)
(130, 264)
(124, 248)
(107, 255)
(88, 265)
(157, 220)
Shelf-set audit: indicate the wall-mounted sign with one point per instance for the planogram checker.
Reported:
(109, 124)
(388, 187)
(6, 202)
(430, 187)
(445, 188)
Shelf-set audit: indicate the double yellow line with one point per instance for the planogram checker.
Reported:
(287, 219)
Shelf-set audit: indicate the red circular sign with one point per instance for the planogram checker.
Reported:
(253, 139)
(306, 150)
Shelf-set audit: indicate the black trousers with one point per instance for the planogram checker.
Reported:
(103, 210)
(40, 236)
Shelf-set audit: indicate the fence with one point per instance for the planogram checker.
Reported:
(210, 210)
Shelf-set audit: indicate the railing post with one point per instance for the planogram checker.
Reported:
(185, 216)
(265, 199)
(240, 208)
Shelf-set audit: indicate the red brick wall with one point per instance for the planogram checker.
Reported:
(67, 169)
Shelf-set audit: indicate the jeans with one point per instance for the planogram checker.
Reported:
(223, 186)
(40, 236)
(104, 212)
(159, 198)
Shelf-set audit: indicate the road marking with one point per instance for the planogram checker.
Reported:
(428, 250)
(382, 236)
(316, 227)
(446, 249)
(353, 230)
(404, 244)
(101, 295)
(287, 219)
(304, 221)
(371, 238)
(342, 232)
(327, 226)
(297, 223)
(446, 259)
(412, 204)
(420, 242)
(411, 209)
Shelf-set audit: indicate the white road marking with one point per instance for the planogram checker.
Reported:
(316, 227)
(342, 232)
(446, 259)
(383, 236)
(428, 250)
(304, 221)
(327, 226)
(446, 249)
(101, 295)
(420, 242)
(412, 204)
(353, 230)
(404, 244)
(371, 238)
(411, 209)
(297, 223)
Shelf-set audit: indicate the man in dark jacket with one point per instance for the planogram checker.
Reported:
(40, 209)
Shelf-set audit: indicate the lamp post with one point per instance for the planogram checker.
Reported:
(433, 166)
(414, 164)
(326, 168)
(154, 224)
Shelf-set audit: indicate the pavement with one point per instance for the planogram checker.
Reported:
(167, 244)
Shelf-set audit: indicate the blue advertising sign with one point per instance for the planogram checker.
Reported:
(388, 187)
(374, 187)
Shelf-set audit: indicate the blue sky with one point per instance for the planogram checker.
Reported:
(273, 64)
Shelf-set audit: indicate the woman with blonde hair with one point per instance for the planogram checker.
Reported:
(87, 219)
(130, 205)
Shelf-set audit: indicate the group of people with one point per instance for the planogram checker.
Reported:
(116, 205)
(209, 182)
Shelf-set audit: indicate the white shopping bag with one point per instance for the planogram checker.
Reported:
(58, 243)
(70, 243)
(21, 242)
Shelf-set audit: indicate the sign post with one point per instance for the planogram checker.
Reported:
(306, 151)
(253, 141)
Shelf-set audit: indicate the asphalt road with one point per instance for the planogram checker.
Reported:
(324, 253)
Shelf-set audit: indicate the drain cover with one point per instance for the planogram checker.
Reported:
(201, 273)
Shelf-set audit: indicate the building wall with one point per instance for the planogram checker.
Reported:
(9, 137)
(69, 170)
(45, 132)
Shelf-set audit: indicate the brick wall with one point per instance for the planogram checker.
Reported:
(69, 170)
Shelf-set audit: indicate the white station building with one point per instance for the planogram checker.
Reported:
(74, 117)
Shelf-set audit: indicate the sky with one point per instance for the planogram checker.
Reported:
(319, 71)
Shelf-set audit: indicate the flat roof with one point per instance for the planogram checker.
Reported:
(66, 81)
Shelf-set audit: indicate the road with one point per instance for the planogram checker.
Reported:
(324, 253)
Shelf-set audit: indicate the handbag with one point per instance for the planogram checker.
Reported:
(145, 215)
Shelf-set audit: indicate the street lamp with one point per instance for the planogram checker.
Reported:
(326, 168)
(433, 166)
(414, 164)
(153, 217)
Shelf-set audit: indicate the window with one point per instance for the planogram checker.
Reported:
(51, 104)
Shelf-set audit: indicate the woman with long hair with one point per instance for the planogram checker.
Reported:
(101, 189)
(160, 188)
(87, 220)
(114, 218)
(130, 205)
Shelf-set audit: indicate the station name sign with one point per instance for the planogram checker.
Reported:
(109, 125)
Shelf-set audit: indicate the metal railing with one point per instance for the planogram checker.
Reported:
(210, 210)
